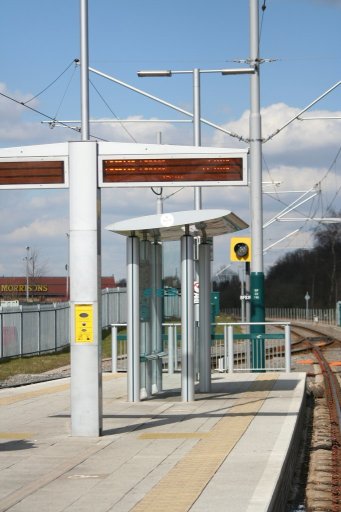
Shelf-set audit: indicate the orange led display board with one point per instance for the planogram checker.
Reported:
(32, 173)
(173, 171)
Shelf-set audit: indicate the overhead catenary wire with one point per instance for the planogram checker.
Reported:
(65, 92)
(262, 19)
(52, 119)
(112, 112)
(52, 83)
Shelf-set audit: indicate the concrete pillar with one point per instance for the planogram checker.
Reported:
(85, 272)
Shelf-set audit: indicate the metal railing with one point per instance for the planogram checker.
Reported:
(28, 329)
(38, 328)
(114, 306)
(231, 351)
(243, 351)
(329, 316)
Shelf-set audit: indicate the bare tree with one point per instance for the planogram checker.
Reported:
(35, 267)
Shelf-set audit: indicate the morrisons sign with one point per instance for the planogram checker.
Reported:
(22, 288)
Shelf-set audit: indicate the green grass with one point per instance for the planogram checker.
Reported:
(44, 363)
(33, 364)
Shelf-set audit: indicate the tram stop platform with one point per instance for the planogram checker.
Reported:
(231, 450)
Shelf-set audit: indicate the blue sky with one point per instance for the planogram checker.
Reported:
(40, 39)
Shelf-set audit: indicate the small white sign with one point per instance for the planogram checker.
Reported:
(196, 292)
(9, 303)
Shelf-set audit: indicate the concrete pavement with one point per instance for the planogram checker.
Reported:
(227, 451)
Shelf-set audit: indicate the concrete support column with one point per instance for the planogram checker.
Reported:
(85, 314)
(133, 318)
(187, 319)
(205, 317)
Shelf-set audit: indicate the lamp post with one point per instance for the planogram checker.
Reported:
(27, 258)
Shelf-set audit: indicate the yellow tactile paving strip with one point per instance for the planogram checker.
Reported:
(174, 435)
(199, 465)
(11, 399)
(16, 435)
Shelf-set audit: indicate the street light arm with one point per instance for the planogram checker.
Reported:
(166, 103)
(140, 91)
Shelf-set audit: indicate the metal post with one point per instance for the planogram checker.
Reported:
(27, 260)
(247, 292)
(204, 315)
(257, 272)
(176, 360)
(197, 206)
(159, 204)
(85, 260)
(145, 317)
(187, 319)
(133, 319)
(156, 314)
(242, 300)
(307, 298)
(287, 348)
(114, 349)
(230, 348)
(196, 128)
(170, 332)
(84, 69)
(225, 365)
(1, 334)
(39, 329)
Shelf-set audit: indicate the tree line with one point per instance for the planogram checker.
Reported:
(316, 270)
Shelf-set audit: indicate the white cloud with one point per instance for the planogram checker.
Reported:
(297, 137)
(39, 228)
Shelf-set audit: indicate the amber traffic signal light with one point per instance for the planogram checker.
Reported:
(240, 249)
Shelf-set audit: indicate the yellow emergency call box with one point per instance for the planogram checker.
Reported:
(84, 323)
(240, 249)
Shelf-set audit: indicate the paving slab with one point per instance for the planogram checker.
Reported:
(223, 451)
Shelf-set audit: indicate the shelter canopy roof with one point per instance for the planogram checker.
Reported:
(172, 226)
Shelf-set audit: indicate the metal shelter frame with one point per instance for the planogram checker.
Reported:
(144, 276)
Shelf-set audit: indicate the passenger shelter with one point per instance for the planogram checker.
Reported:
(144, 294)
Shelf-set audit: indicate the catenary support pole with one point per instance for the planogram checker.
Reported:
(257, 271)
(187, 319)
(84, 70)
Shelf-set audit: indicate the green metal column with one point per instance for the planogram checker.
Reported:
(257, 315)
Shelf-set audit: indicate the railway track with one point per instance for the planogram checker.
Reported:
(321, 355)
